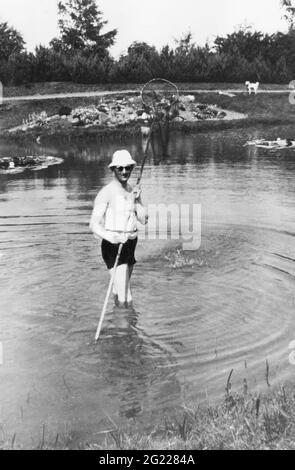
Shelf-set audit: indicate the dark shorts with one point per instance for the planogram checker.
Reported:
(109, 253)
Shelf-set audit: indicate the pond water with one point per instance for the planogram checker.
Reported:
(227, 305)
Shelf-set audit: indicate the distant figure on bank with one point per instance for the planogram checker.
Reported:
(252, 87)
(117, 208)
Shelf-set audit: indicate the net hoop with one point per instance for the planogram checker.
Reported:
(159, 95)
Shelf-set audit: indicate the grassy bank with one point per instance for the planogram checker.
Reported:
(261, 108)
(242, 422)
(69, 87)
(13, 114)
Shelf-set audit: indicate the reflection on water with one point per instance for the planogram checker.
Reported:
(229, 304)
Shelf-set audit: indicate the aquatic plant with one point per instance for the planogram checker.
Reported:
(36, 119)
(86, 115)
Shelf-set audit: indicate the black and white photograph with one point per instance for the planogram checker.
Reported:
(147, 227)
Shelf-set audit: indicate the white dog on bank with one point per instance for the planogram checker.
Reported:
(252, 87)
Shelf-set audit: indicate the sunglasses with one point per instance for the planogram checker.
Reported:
(121, 168)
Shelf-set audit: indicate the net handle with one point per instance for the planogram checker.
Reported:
(145, 153)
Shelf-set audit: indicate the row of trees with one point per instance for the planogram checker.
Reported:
(81, 54)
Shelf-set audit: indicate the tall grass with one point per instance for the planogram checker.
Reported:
(243, 421)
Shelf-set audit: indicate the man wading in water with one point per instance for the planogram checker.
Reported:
(117, 208)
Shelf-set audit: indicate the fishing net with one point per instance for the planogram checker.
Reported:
(160, 95)
(161, 102)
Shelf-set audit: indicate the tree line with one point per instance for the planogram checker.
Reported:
(81, 54)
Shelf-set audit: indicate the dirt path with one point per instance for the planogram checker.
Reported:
(80, 94)
(88, 94)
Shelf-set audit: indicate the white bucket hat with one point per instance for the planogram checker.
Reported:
(122, 158)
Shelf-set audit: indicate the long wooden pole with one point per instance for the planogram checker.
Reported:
(121, 244)
(104, 308)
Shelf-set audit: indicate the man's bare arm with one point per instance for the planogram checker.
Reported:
(140, 210)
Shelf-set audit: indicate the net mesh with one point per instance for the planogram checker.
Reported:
(159, 95)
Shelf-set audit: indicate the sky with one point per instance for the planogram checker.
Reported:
(157, 22)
